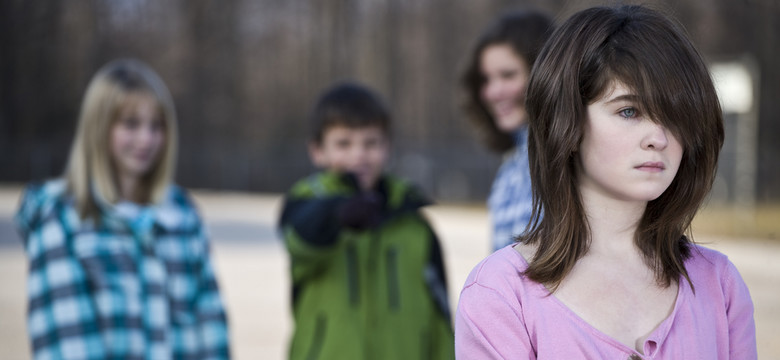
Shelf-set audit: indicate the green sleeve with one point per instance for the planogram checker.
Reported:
(309, 223)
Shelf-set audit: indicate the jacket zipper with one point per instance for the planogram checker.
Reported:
(393, 287)
(318, 339)
(372, 322)
(352, 275)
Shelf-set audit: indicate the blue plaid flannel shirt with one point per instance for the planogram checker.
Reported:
(137, 283)
(510, 201)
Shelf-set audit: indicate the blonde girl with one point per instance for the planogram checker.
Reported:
(119, 264)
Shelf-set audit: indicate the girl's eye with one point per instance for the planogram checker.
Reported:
(628, 113)
(508, 74)
(130, 123)
(371, 143)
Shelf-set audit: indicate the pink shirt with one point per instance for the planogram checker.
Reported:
(503, 315)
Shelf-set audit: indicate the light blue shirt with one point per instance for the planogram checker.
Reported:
(511, 198)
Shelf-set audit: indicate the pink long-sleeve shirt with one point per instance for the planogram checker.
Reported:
(503, 315)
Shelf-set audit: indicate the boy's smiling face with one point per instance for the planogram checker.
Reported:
(362, 151)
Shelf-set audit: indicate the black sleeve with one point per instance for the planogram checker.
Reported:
(314, 219)
(436, 278)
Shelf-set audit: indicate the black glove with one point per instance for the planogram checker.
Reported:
(362, 211)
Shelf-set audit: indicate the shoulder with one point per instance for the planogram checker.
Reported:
(720, 295)
(707, 260)
(500, 311)
(44, 192)
(711, 269)
(320, 184)
(38, 202)
(497, 289)
(502, 272)
(178, 210)
(178, 196)
(402, 193)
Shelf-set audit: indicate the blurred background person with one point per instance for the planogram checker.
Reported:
(367, 270)
(495, 83)
(119, 263)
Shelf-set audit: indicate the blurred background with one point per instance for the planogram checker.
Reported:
(244, 75)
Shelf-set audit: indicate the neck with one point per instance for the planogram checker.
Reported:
(613, 224)
(130, 189)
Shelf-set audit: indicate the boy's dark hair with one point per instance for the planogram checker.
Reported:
(652, 55)
(525, 31)
(351, 105)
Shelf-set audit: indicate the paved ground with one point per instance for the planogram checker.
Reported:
(252, 269)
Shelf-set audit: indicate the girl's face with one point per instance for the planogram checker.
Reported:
(503, 93)
(137, 136)
(624, 155)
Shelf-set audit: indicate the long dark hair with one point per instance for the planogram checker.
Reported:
(651, 54)
(525, 32)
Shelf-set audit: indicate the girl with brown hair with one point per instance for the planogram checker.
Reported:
(495, 83)
(625, 128)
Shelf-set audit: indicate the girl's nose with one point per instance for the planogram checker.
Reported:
(492, 89)
(657, 137)
(149, 134)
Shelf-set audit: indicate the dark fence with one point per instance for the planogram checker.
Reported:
(244, 75)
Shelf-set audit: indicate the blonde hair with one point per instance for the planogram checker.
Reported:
(89, 173)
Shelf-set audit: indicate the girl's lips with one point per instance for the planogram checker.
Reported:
(144, 156)
(652, 166)
(503, 107)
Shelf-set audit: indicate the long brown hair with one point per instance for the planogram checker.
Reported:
(651, 54)
(525, 32)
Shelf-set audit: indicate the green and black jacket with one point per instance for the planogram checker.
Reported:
(378, 293)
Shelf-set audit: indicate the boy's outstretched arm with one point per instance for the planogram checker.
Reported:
(318, 208)
(313, 220)
(310, 232)
(310, 224)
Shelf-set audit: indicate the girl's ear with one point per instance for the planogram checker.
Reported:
(316, 155)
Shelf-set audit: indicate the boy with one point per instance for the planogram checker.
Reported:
(367, 273)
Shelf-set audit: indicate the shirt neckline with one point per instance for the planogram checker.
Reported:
(657, 335)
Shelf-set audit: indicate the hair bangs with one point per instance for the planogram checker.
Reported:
(90, 175)
(664, 70)
(581, 63)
